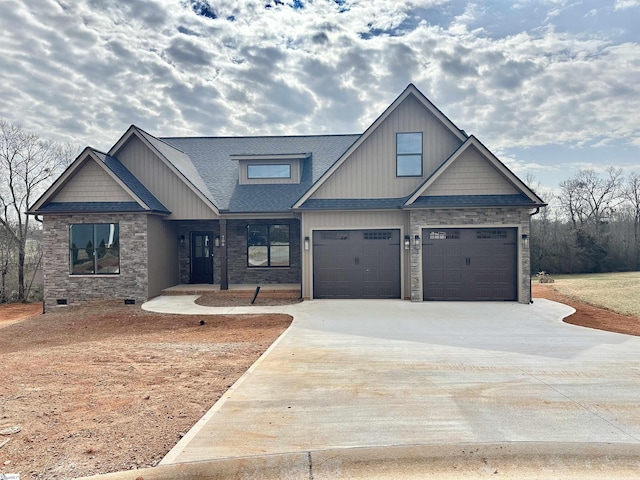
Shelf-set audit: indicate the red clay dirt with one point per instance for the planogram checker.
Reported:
(587, 315)
(106, 388)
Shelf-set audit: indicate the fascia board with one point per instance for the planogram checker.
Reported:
(506, 172)
(119, 181)
(486, 153)
(133, 130)
(441, 169)
(410, 90)
(62, 179)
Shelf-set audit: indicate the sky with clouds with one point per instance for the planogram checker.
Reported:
(550, 86)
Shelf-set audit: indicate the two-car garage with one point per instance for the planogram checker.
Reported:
(457, 263)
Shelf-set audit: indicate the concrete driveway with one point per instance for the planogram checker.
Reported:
(395, 373)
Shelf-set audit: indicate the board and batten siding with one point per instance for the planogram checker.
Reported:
(162, 251)
(174, 194)
(471, 174)
(370, 172)
(92, 184)
(367, 220)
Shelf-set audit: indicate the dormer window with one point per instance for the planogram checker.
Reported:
(268, 171)
(270, 168)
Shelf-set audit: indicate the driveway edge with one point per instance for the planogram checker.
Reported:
(510, 460)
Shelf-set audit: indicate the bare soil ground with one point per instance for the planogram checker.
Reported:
(105, 388)
(588, 315)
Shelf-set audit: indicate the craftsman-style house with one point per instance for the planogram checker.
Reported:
(412, 208)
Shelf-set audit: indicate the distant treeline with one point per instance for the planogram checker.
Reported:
(591, 226)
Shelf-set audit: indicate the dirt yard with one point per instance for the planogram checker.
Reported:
(588, 315)
(105, 388)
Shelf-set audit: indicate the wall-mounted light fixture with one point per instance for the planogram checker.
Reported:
(306, 243)
(525, 241)
(407, 242)
(216, 241)
(182, 240)
(416, 240)
(222, 242)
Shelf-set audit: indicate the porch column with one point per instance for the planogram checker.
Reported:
(224, 277)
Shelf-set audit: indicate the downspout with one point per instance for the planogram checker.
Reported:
(537, 211)
(35, 217)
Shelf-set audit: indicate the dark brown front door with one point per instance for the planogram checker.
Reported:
(469, 264)
(201, 257)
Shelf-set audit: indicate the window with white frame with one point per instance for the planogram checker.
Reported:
(409, 154)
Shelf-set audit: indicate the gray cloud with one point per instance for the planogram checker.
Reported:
(517, 77)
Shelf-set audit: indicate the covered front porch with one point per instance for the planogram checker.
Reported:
(238, 255)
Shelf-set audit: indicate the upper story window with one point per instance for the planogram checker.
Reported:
(409, 154)
(94, 249)
(268, 171)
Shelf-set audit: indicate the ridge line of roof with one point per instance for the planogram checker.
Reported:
(259, 136)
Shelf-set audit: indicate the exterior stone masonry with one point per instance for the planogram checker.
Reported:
(130, 283)
(479, 217)
(236, 243)
(240, 273)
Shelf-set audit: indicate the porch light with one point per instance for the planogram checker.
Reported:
(182, 240)
(216, 241)
(306, 243)
(416, 240)
(407, 242)
(525, 241)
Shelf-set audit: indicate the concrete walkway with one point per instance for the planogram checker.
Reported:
(371, 374)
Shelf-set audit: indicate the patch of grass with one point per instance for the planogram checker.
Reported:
(619, 292)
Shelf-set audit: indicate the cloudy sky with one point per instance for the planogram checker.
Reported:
(550, 86)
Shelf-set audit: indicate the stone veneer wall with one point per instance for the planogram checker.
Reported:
(131, 283)
(240, 273)
(480, 217)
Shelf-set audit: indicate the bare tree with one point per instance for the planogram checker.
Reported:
(27, 165)
(589, 201)
(632, 195)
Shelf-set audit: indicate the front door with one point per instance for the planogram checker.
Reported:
(201, 257)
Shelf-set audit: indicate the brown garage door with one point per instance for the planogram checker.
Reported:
(469, 264)
(356, 264)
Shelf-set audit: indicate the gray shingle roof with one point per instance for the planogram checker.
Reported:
(91, 207)
(120, 171)
(210, 156)
(453, 201)
(181, 161)
(353, 203)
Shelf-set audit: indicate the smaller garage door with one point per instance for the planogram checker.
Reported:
(356, 264)
(469, 264)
